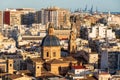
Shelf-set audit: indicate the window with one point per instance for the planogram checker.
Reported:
(10, 65)
(38, 67)
(47, 54)
(54, 54)
(72, 48)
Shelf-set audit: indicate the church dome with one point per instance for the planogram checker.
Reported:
(50, 40)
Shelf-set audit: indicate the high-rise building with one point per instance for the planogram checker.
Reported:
(27, 16)
(12, 18)
(110, 58)
(58, 16)
(19, 16)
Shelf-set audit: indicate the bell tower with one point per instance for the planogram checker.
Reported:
(72, 42)
(38, 67)
(73, 28)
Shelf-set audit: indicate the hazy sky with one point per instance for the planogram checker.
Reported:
(103, 5)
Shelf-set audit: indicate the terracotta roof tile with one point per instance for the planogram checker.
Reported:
(37, 59)
(69, 58)
(13, 76)
(24, 71)
(55, 61)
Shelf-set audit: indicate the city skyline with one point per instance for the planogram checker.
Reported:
(60, 40)
(102, 5)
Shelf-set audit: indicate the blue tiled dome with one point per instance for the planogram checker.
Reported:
(50, 40)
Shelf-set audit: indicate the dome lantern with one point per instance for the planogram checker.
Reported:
(50, 29)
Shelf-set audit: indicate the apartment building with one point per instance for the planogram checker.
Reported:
(110, 57)
(58, 16)
(98, 31)
(18, 16)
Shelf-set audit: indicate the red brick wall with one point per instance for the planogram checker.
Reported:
(6, 17)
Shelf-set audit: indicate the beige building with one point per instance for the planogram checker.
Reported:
(18, 16)
(58, 16)
(1, 19)
(6, 66)
(59, 33)
(17, 60)
(64, 33)
(104, 76)
(5, 42)
(12, 17)
(93, 57)
(52, 52)
(15, 18)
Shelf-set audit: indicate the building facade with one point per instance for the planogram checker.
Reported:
(58, 16)
(18, 16)
(110, 58)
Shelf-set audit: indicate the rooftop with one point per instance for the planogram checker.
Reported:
(104, 73)
(55, 61)
(34, 60)
(93, 53)
(24, 71)
(14, 76)
(69, 58)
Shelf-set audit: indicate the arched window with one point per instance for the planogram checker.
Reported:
(54, 54)
(72, 48)
(10, 65)
(38, 67)
(47, 54)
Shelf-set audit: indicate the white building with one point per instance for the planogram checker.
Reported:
(80, 72)
(101, 31)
